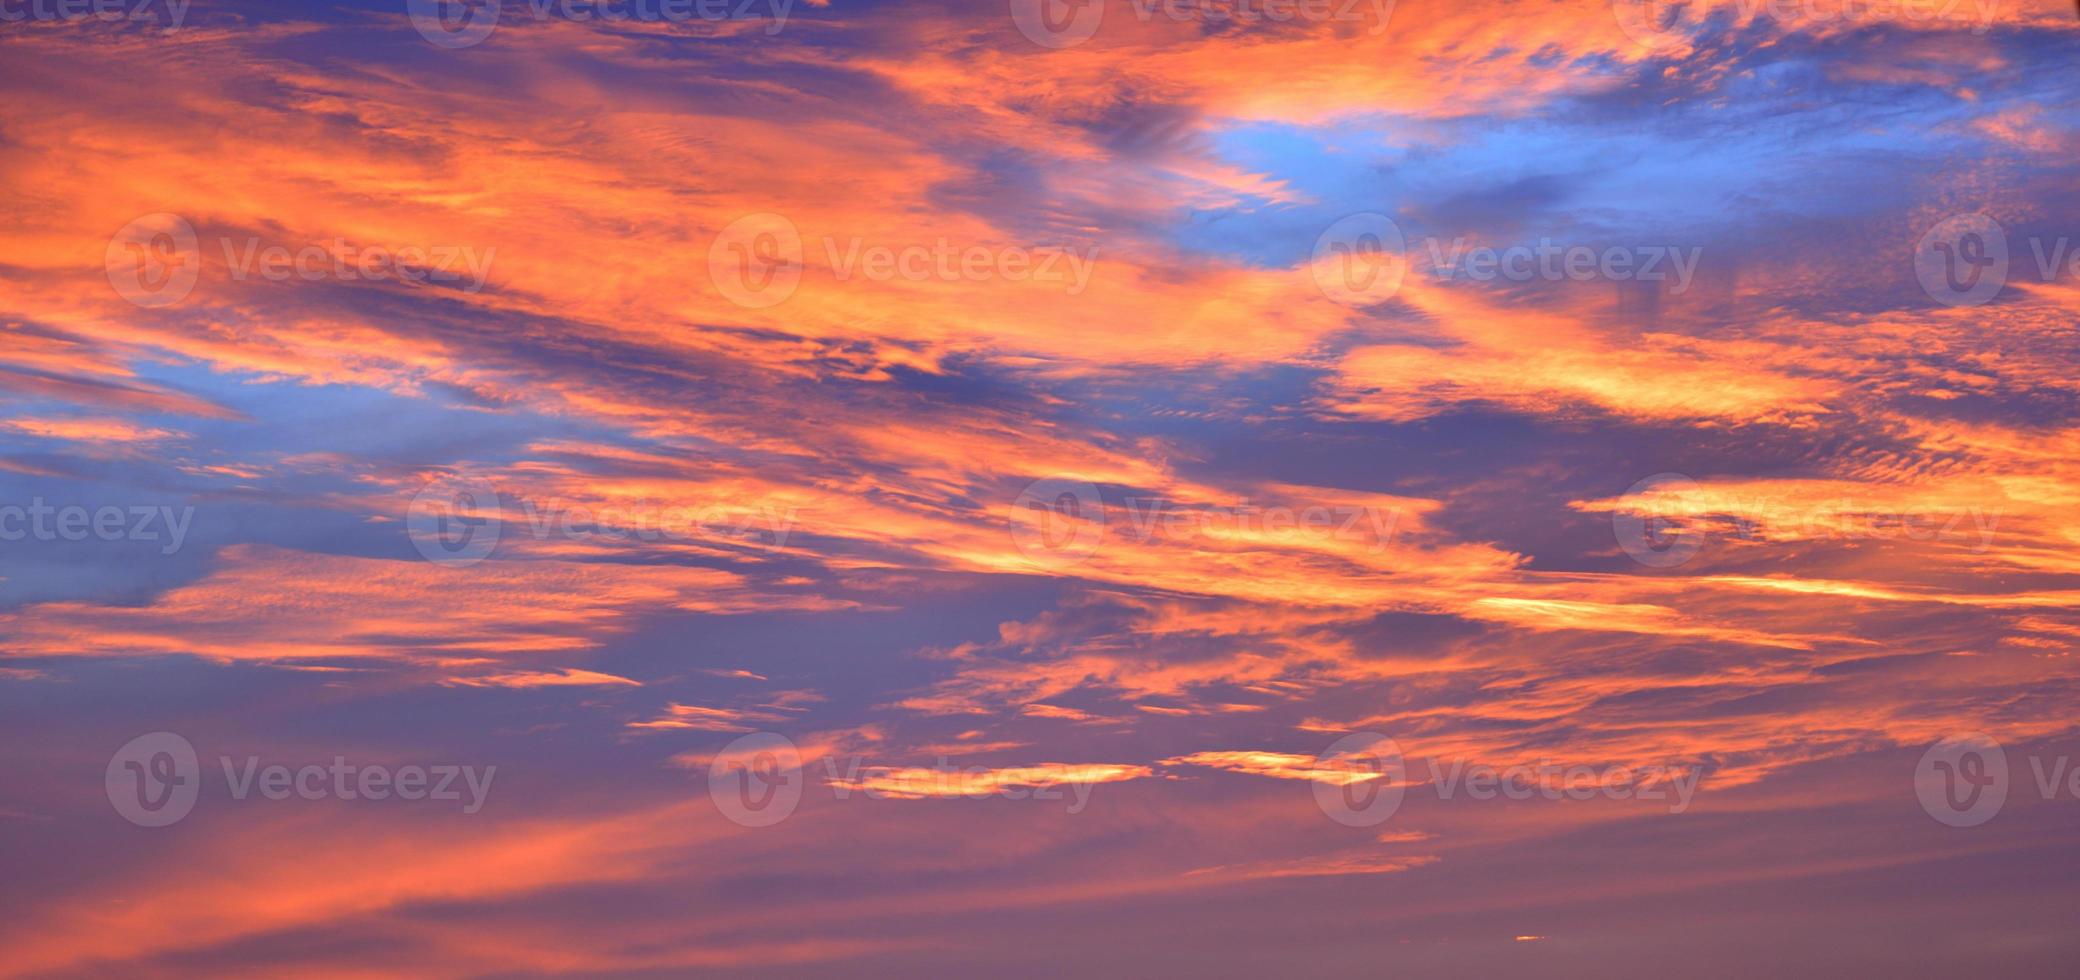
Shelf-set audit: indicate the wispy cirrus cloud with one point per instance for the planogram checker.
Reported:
(1176, 505)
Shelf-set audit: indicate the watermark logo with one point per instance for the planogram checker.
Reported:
(42, 521)
(1580, 782)
(1666, 519)
(1058, 24)
(1962, 781)
(455, 521)
(1360, 260)
(1057, 523)
(459, 521)
(757, 780)
(1364, 780)
(1553, 262)
(154, 780)
(1062, 24)
(1061, 522)
(154, 260)
(756, 262)
(466, 23)
(1963, 260)
(1652, 539)
(1363, 259)
(1048, 781)
(1663, 26)
(343, 261)
(944, 260)
(171, 12)
(1660, 25)
(342, 780)
(454, 23)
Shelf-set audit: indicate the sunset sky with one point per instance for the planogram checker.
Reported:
(1115, 488)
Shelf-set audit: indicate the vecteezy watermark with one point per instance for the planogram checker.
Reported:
(758, 780)
(458, 521)
(1963, 780)
(757, 261)
(1664, 520)
(1062, 24)
(344, 261)
(1574, 263)
(1964, 260)
(154, 780)
(466, 23)
(1058, 522)
(41, 521)
(1670, 25)
(455, 521)
(1360, 260)
(155, 260)
(1652, 538)
(1363, 259)
(1360, 780)
(1675, 785)
(169, 13)
(1070, 784)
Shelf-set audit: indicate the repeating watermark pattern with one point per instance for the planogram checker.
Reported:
(1062, 522)
(42, 521)
(1553, 262)
(1666, 519)
(1058, 522)
(455, 24)
(1965, 259)
(155, 260)
(1962, 260)
(1653, 539)
(168, 15)
(1368, 783)
(458, 521)
(455, 521)
(757, 261)
(1964, 780)
(155, 780)
(1361, 780)
(946, 781)
(759, 779)
(1360, 260)
(1059, 24)
(1674, 785)
(344, 261)
(1363, 259)
(1663, 26)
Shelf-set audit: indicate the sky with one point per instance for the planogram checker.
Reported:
(786, 488)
